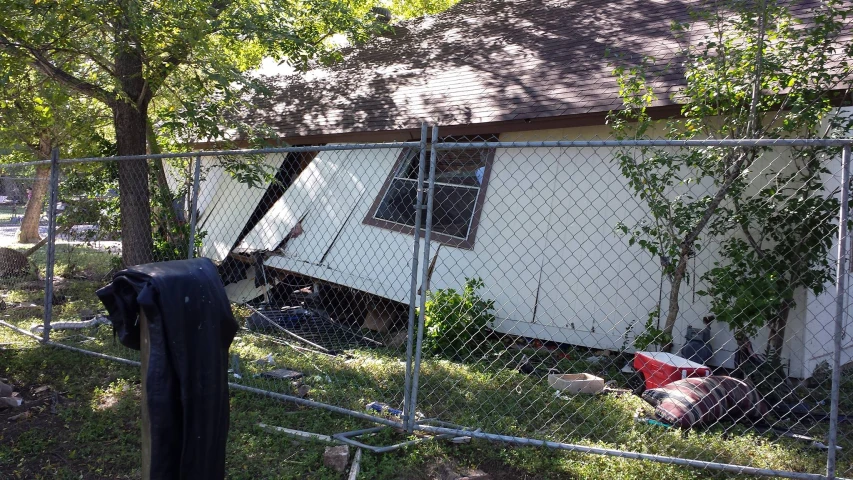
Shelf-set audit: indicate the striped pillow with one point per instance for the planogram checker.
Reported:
(705, 400)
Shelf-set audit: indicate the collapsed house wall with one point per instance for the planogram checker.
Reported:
(547, 247)
(224, 202)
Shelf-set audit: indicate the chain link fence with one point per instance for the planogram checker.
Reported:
(679, 302)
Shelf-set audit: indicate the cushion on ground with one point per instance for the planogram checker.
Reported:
(705, 400)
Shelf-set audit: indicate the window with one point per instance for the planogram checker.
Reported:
(460, 184)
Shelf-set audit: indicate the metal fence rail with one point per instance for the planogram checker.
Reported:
(511, 291)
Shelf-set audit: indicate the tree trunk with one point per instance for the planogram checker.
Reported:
(776, 336)
(129, 116)
(672, 313)
(29, 232)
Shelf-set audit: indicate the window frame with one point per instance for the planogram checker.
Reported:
(465, 243)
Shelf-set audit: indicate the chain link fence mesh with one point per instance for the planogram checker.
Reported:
(542, 274)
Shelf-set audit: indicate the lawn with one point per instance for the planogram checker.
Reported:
(85, 424)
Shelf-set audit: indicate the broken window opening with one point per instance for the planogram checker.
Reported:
(461, 177)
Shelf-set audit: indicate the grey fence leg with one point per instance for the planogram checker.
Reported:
(416, 371)
(51, 242)
(413, 295)
(840, 292)
(194, 207)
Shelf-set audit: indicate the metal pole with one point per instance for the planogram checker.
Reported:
(408, 420)
(196, 175)
(424, 275)
(311, 403)
(727, 467)
(51, 242)
(840, 292)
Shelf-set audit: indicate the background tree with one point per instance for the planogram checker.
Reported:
(123, 53)
(758, 73)
(37, 116)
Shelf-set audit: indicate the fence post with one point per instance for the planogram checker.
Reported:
(194, 206)
(408, 421)
(51, 242)
(840, 292)
(416, 371)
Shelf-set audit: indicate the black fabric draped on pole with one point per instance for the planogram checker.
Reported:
(191, 327)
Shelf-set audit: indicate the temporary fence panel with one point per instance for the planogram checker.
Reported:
(593, 288)
(526, 267)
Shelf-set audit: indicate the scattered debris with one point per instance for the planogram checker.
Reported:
(610, 388)
(26, 414)
(650, 421)
(43, 388)
(384, 408)
(94, 322)
(268, 360)
(576, 382)
(526, 367)
(299, 433)
(336, 458)
(302, 391)
(356, 465)
(282, 374)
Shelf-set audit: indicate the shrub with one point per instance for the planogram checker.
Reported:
(455, 323)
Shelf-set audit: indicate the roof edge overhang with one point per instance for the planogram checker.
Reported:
(409, 134)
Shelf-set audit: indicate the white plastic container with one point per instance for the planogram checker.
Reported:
(576, 382)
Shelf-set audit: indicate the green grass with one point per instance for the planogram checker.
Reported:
(94, 432)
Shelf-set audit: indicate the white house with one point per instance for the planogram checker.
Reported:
(538, 225)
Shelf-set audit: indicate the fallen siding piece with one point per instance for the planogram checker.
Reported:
(299, 433)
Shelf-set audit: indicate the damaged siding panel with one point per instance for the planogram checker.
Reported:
(593, 281)
(226, 206)
(295, 205)
(350, 178)
(369, 252)
(511, 236)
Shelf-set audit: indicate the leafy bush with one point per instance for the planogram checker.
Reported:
(455, 322)
(651, 334)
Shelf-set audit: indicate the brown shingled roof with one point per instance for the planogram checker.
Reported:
(482, 61)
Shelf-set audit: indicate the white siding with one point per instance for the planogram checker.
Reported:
(225, 204)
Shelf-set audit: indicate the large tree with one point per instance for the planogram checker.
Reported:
(756, 72)
(122, 53)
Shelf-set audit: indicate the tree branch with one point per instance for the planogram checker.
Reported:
(42, 64)
(749, 238)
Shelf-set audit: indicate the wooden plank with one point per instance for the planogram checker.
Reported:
(145, 348)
